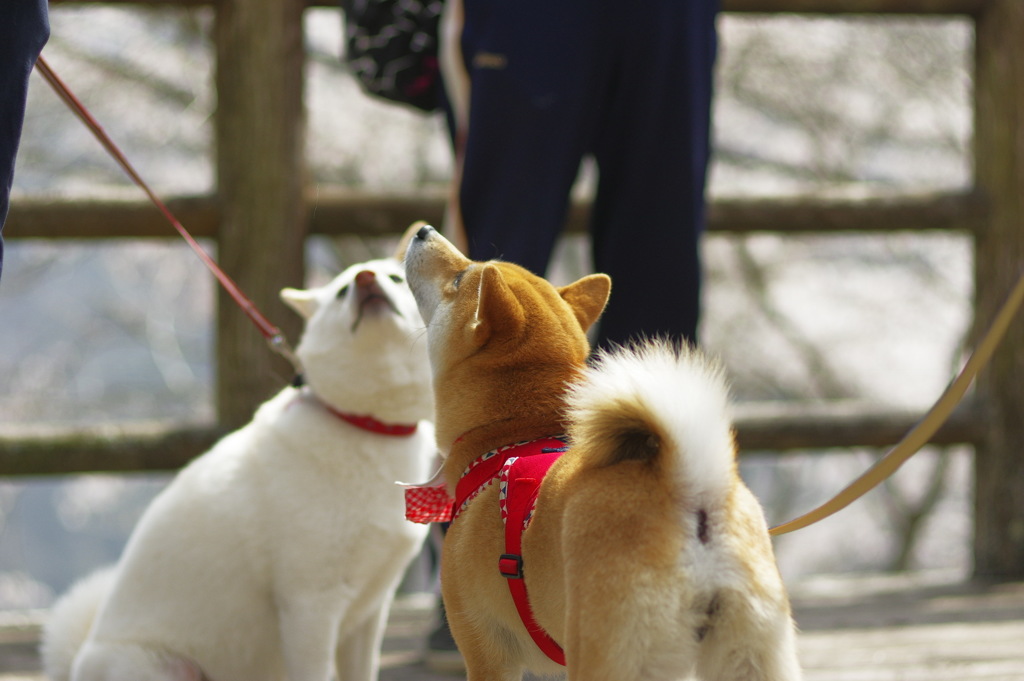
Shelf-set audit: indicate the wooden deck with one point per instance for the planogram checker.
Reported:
(903, 628)
(912, 628)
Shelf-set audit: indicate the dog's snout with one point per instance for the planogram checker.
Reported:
(424, 232)
(365, 278)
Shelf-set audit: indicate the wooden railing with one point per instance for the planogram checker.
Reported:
(259, 216)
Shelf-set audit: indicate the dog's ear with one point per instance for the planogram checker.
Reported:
(403, 243)
(303, 302)
(498, 313)
(587, 297)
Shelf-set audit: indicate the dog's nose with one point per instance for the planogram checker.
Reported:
(365, 278)
(424, 232)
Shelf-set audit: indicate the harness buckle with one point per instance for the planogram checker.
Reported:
(511, 566)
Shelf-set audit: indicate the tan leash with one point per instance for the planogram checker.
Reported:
(920, 434)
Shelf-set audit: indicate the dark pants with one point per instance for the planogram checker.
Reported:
(629, 83)
(24, 28)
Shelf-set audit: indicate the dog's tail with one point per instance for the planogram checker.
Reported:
(70, 621)
(661, 403)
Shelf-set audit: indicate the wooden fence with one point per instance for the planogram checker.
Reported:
(259, 217)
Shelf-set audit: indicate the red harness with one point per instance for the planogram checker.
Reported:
(521, 478)
(520, 468)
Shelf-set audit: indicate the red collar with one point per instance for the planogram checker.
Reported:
(368, 422)
(358, 420)
(373, 425)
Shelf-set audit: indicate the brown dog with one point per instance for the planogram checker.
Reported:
(646, 557)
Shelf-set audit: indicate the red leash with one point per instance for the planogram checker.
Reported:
(278, 343)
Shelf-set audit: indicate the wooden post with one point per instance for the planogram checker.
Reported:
(261, 177)
(999, 260)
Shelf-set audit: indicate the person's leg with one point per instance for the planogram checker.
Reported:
(532, 66)
(652, 157)
(24, 28)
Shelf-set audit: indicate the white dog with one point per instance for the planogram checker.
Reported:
(276, 554)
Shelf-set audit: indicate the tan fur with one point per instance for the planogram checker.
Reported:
(605, 553)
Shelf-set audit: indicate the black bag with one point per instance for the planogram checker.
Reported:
(392, 49)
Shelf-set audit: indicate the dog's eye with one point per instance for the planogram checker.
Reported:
(397, 279)
(342, 291)
(458, 278)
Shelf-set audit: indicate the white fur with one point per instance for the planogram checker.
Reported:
(681, 393)
(275, 554)
(70, 621)
(678, 392)
(684, 393)
(382, 372)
